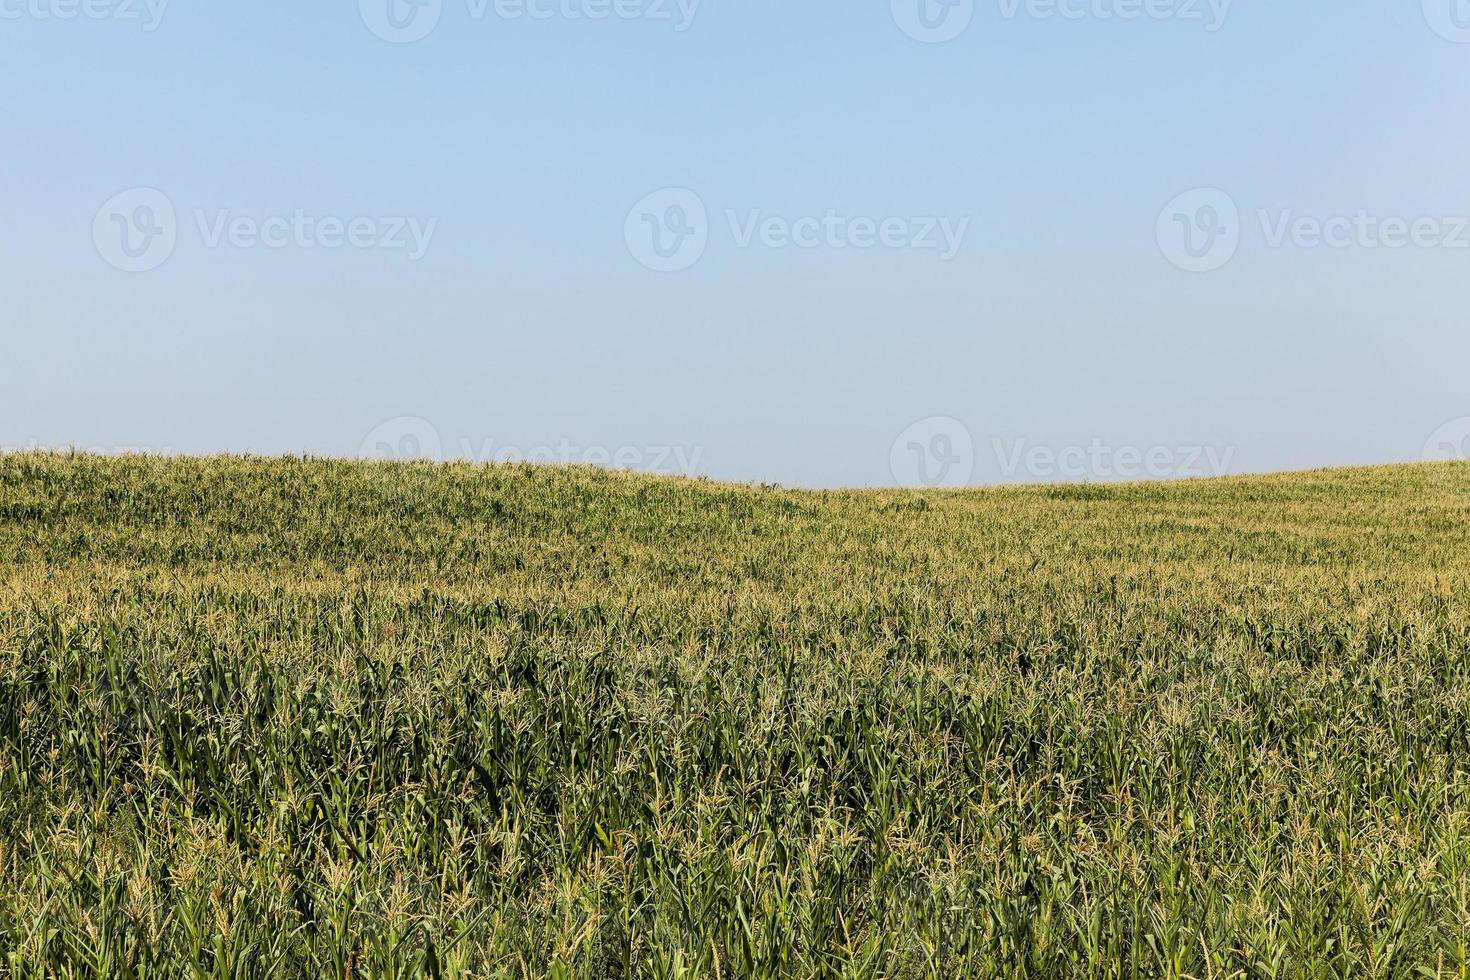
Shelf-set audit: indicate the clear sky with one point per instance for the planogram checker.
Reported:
(818, 243)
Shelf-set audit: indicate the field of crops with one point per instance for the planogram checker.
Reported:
(287, 718)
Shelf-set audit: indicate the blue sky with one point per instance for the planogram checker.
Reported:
(376, 243)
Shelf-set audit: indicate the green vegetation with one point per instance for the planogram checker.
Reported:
(315, 719)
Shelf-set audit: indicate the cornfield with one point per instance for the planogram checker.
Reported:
(326, 719)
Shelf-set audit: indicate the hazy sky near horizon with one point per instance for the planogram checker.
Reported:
(821, 243)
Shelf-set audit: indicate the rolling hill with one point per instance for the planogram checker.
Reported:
(313, 718)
